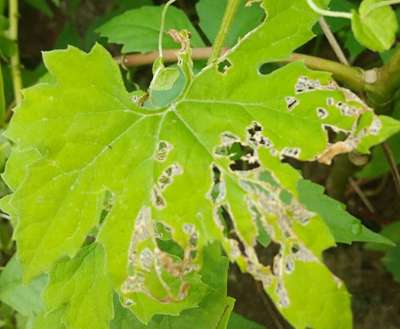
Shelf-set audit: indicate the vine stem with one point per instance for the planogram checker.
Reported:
(15, 59)
(393, 165)
(162, 27)
(328, 13)
(230, 12)
(3, 110)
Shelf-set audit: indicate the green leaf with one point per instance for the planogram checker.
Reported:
(375, 28)
(79, 294)
(239, 322)
(41, 5)
(211, 13)
(344, 227)
(24, 298)
(92, 162)
(379, 164)
(392, 232)
(138, 29)
(392, 262)
(392, 253)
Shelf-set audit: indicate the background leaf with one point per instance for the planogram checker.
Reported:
(138, 29)
(344, 227)
(211, 13)
(375, 29)
(24, 298)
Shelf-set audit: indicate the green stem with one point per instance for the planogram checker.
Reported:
(328, 13)
(382, 91)
(381, 4)
(2, 100)
(162, 27)
(15, 60)
(227, 21)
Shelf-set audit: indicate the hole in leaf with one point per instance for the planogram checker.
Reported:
(267, 68)
(229, 228)
(266, 255)
(243, 157)
(108, 203)
(334, 135)
(224, 66)
(171, 247)
(217, 190)
(295, 248)
(291, 102)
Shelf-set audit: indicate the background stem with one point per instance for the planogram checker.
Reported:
(2, 100)
(15, 60)
(227, 21)
(333, 42)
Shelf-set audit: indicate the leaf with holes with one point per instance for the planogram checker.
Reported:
(153, 186)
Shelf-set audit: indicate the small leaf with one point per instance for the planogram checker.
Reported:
(392, 262)
(344, 227)
(24, 298)
(375, 28)
(379, 164)
(239, 322)
(41, 5)
(79, 294)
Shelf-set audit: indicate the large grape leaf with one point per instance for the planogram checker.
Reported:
(89, 155)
